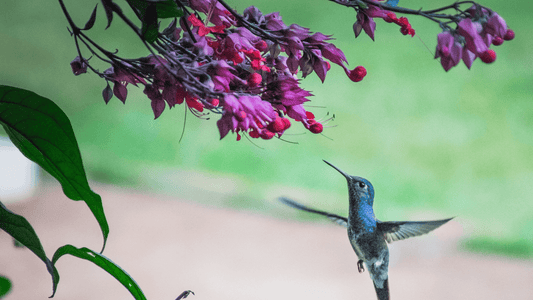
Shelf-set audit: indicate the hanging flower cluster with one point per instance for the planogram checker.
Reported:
(476, 28)
(242, 67)
(472, 38)
(245, 67)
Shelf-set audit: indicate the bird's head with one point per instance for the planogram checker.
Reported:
(360, 189)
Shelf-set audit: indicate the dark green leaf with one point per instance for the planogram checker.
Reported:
(42, 132)
(90, 23)
(165, 8)
(104, 263)
(20, 229)
(5, 286)
(150, 27)
(168, 9)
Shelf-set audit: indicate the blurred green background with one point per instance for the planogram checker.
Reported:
(432, 143)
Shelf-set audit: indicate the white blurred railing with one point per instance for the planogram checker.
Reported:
(18, 175)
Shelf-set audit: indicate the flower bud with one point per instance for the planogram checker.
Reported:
(316, 128)
(509, 35)
(277, 125)
(497, 41)
(488, 56)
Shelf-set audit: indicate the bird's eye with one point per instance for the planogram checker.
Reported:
(362, 185)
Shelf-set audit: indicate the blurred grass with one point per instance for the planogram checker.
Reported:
(457, 143)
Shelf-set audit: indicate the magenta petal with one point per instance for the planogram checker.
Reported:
(321, 68)
(357, 28)
(469, 31)
(78, 66)
(274, 21)
(334, 54)
(369, 27)
(231, 103)
(107, 93)
(468, 57)
(456, 53)
(292, 64)
(224, 125)
(375, 12)
(447, 63)
(120, 91)
(496, 26)
(487, 38)
(158, 105)
(444, 43)
(367, 23)
(169, 94)
(296, 112)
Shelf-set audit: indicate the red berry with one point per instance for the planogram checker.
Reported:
(497, 41)
(253, 134)
(267, 135)
(509, 35)
(261, 46)
(403, 21)
(391, 17)
(277, 125)
(316, 128)
(286, 123)
(488, 56)
(357, 74)
(254, 79)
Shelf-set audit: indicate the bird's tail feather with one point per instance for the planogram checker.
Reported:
(383, 293)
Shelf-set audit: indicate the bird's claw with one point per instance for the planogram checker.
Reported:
(360, 266)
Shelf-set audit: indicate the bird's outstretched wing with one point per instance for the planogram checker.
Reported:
(395, 231)
(333, 217)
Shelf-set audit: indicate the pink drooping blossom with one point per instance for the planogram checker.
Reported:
(449, 51)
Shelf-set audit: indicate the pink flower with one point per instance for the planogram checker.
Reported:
(468, 57)
(244, 113)
(78, 66)
(449, 51)
(470, 31)
(495, 26)
(366, 23)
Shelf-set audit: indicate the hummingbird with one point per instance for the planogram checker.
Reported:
(368, 235)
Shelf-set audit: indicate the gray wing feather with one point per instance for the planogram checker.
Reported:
(333, 217)
(395, 231)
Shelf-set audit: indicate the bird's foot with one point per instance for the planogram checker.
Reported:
(360, 266)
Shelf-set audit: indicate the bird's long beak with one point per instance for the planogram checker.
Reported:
(340, 171)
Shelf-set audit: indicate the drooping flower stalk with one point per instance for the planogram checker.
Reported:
(245, 66)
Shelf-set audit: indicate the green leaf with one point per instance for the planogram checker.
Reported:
(5, 286)
(42, 132)
(20, 229)
(150, 27)
(168, 9)
(165, 8)
(105, 264)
